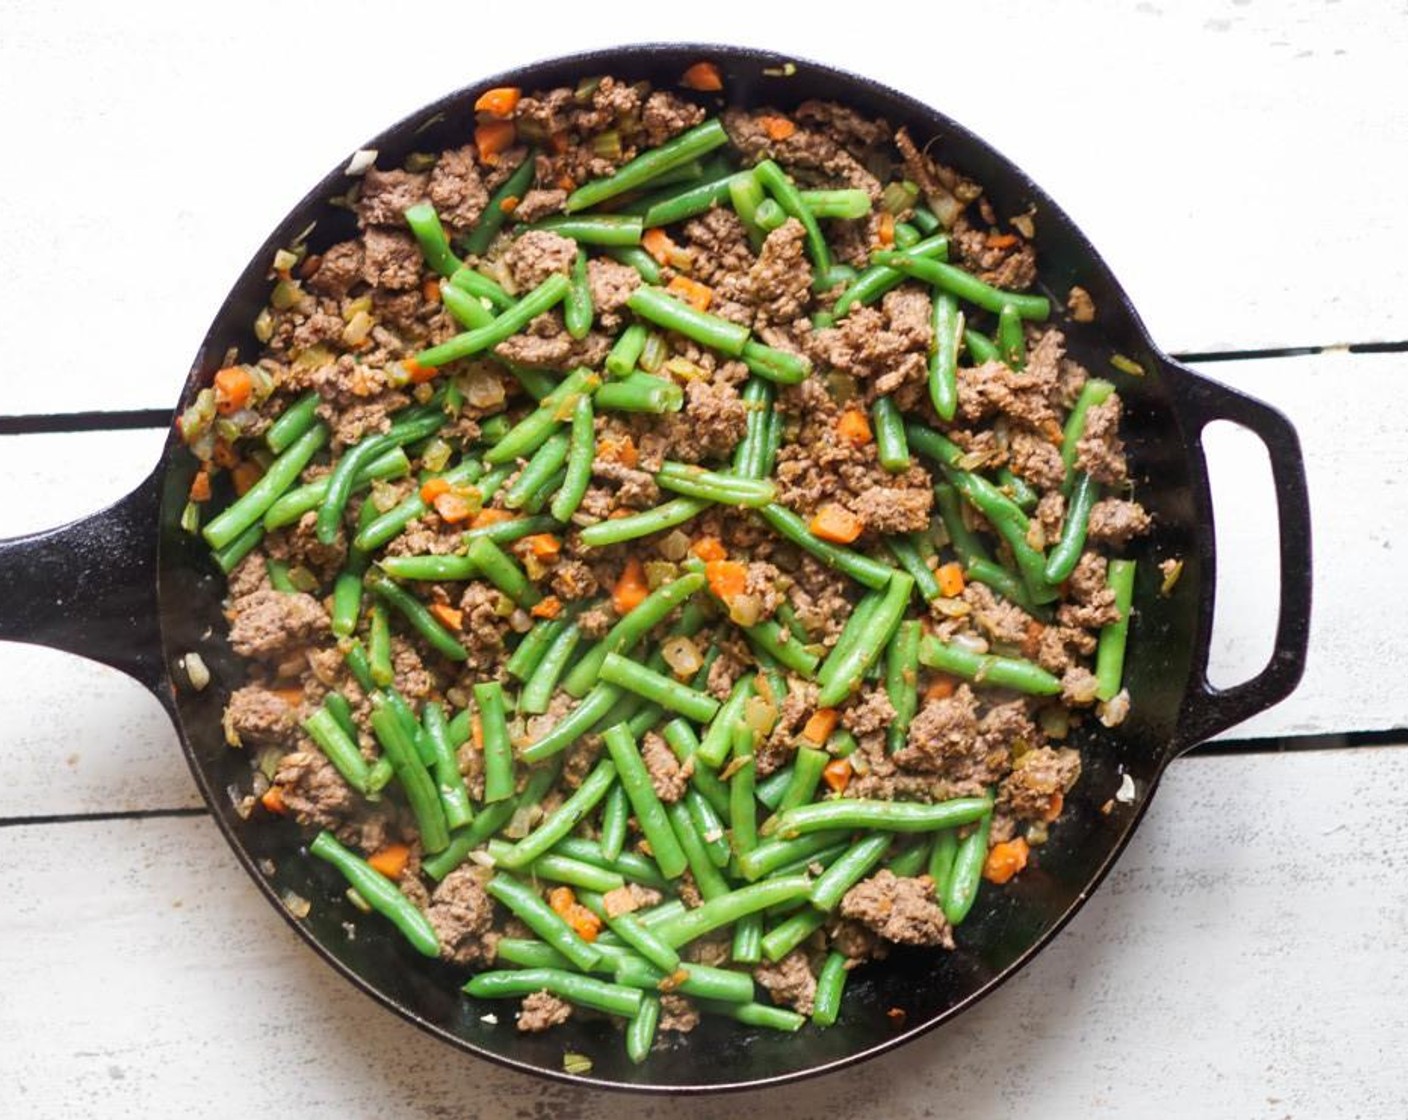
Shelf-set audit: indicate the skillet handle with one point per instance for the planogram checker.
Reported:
(1208, 710)
(89, 588)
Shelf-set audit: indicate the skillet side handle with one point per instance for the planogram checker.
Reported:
(89, 588)
(1208, 710)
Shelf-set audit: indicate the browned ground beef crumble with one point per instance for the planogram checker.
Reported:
(350, 315)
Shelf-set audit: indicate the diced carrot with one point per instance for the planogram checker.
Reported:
(486, 517)
(697, 295)
(621, 451)
(492, 139)
(584, 923)
(820, 725)
(498, 102)
(543, 545)
(432, 488)
(950, 577)
(453, 508)
(561, 899)
(853, 427)
(704, 77)
(1005, 860)
(245, 474)
(1001, 240)
(885, 231)
(232, 389)
(449, 617)
(273, 800)
(777, 128)
(726, 578)
(550, 606)
(1054, 807)
(391, 860)
(631, 588)
(476, 732)
(290, 696)
(1031, 638)
(709, 548)
(941, 688)
(200, 487)
(658, 244)
(566, 183)
(836, 524)
(1053, 433)
(418, 373)
(430, 291)
(510, 204)
(837, 774)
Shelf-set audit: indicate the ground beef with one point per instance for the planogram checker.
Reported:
(269, 622)
(314, 792)
(666, 114)
(1092, 602)
(712, 422)
(813, 155)
(1080, 305)
(885, 347)
(538, 254)
(869, 713)
(457, 190)
(677, 1014)
(250, 575)
(899, 909)
(463, 916)
(1078, 686)
(298, 545)
(1003, 266)
(573, 579)
(412, 679)
(819, 598)
(1058, 647)
(635, 489)
(779, 283)
(944, 740)
(666, 774)
(718, 245)
(538, 204)
(385, 195)
(1114, 521)
(339, 270)
(994, 388)
(545, 344)
(1100, 451)
(855, 941)
(611, 284)
(482, 626)
(542, 1011)
(391, 260)
(789, 981)
(999, 620)
(894, 509)
(1036, 777)
(1036, 459)
(256, 717)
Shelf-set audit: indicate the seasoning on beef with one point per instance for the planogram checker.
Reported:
(542, 1011)
(780, 280)
(391, 259)
(538, 254)
(256, 717)
(611, 284)
(537, 204)
(269, 622)
(712, 422)
(1100, 451)
(666, 115)
(463, 917)
(312, 788)
(899, 909)
(677, 1014)
(1037, 776)
(339, 270)
(545, 344)
(457, 190)
(789, 981)
(385, 195)
(1115, 521)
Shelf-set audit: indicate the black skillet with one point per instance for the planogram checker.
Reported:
(161, 598)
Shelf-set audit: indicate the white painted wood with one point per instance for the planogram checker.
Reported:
(1244, 959)
(1237, 164)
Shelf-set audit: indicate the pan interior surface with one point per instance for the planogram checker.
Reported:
(1007, 925)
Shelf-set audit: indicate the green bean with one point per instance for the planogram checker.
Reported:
(701, 981)
(823, 859)
(245, 513)
(747, 945)
(1017, 488)
(806, 774)
(906, 236)
(574, 724)
(964, 284)
(650, 813)
(1093, 393)
(596, 229)
(890, 444)
(415, 780)
(771, 789)
(967, 872)
(494, 214)
(641, 392)
(488, 821)
(533, 430)
(640, 1031)
(941, 858)
(747, 455)
(344, 473)
(500, 569)
(229, 556)
(453, 794)
(625, 351)
(546, 461)
(769, 215)
(943, 360)
(1109, 655)
(659, 307)
(902, 681)
(636, 258)
(1003, 582)
(777, 183)
(757, 1015)
(715, 486)
(658, 688)
(694, 199)
(498, 752)
(847, 204)
(649, 166)
(564, 869)
(783, 366)
(987, 668)
(891, 816)
(862, 858)
(632, 627)
(925, 220)
(379, 645)
(1062, 560)
(416, 613)
(742, 800)
(878, 279)
(474, 283)
(432, 566)
(1007, 518)
(537, 691)
(524, 902)
(788, 617)
(965, 542)
(981, 349)
(615, 816)
(680, 737)
(628, 928)
(861, 568)
(338, 746)
(544, 297)
(434, 245)
(767, 636)
(634, 867)
(295, 419)
(392, 463)
(554, 828)
(379, 892)
(839, 678)
(911, 861)
(468, 310)
(277, 571)
(1011, 342)
(600, 995)
(709, 824)
(532, 648)
(826, 1003)
(791, 932)
(645, 720)
(904, 550)
(728, 908)
(771, 855)
(341, 711)
(356, 657)
(718, 738)
(390, 524)
(746, 194)
(529, 952)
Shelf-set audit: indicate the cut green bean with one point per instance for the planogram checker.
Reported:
(906, 552)
(544, 297)
(767, 636)
(1011, 342)
(418, 615)
(965, 285)
(771, 789)
(841, 676)
(728, 908)
(415, 779)
(943, 360)
(1093, 393)
(757, 1015)
(625, 351)
(498, 751)
(888, 816)
(293, 422)
(718, 738)
(474, 283)
(902, 681)
(574, 724)
(650, 813)
(791, 932)
(658, 688)
(1018, 489)
(524, 902)
(862, 858)
(963, 539)
(355, 458)
(746, 194)
(533, 478)
(640, 1031)
(379, 645)
(890, 443)
(622, 637)
(876, 280)
(379, 892)
(941, 857)
(340, 748)
(715, 486)
(709, 823)
(861, 568)
(747, 945)
(587, 991)
(701, 981)
(771, 855)
(278, 576)
(283, 472)
(742, 800)
(769, 215)
(680, 737)
(664, 310)
(846, 203)
(981, 349)
(555, 827)
(453, 794)
(1062, 559)
(806, 775)
(910, 861)
(390, 524)
(581, 452)
(468, 310)
(830, 984)
(988, 668)
(782, 366)
(500, 569)
(693, 200)
(649, 166)
(618, 230)
(537, 691)
(615, 817)
(637, 935)
(1007, 518)
(341, 711)
(780, 186)
(434, 245)
(635, 867)
(967, 872)
(494, 214)
(637, 258)
(434, 566)
(392, 463)
(640, 392)
(1114, 636)
(553, 410)
(490, 820)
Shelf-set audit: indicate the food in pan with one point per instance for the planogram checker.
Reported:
(671, 548)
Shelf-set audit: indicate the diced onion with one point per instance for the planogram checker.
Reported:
(357, 328)
(362, 161)
(745, 610)
(1126, 793)
(284, 260)
(295, 904)
(675, 545)
(1113, 711)
(760, 715)
(970, 642)
(196, 670)
(354, 896)
(660, 572)
(682, 656)
(482, 388)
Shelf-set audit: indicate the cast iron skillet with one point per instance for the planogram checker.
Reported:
(161, 598)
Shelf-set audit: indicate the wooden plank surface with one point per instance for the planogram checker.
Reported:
(1235, 163)
(1244, 959)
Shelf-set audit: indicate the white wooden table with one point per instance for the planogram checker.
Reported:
(1239, 165)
